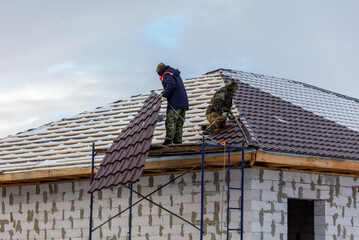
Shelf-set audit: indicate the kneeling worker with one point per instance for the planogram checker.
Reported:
(177, 102)
(219, 108)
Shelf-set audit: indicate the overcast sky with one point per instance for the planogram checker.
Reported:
(59, 58)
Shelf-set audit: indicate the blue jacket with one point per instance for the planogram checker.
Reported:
(174, 89)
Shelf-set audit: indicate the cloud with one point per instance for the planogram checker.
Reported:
(12, 127)
(67, 57)
(61, 67)
(165, 32)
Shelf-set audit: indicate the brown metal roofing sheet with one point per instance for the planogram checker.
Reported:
(281, 126)
(231, 134)
(125, 159)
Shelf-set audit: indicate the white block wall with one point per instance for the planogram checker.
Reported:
(336, 207)
(61, 211)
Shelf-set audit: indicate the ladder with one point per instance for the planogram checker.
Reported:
(236, 188)
(229, 188)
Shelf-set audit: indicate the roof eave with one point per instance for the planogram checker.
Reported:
(214, 161)
(314, 164)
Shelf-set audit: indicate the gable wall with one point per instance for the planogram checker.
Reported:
(61, 211)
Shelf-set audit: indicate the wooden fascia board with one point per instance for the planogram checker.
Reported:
(39, 175)
(307, 162)
(256, 159)
(236, 157)
(62, 174)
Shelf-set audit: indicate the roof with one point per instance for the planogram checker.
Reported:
(276, 115)
(291, 117)
(125, 159)
(68, 143)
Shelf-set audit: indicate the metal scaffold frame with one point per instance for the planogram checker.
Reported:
(202, 164)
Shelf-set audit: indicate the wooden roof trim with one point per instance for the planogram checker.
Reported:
(58, 175)
(306, 163)
(40, 176)
(256, 159)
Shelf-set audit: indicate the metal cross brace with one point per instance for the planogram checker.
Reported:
(143, 198)
(164, 209)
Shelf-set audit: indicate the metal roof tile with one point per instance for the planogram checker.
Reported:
(279, 124)
(125, 159)
(267, 115)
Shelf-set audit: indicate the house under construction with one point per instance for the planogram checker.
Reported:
(297, 146)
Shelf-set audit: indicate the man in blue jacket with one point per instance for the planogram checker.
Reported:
(177, 102)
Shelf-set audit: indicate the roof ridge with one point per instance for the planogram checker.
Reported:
(223, 70)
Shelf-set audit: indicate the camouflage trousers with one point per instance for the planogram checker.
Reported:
(215, 120)
(174, 124)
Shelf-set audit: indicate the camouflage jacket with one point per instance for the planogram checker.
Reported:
(221, 101)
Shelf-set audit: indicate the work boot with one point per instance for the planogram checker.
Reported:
(167, 142)
(177, 142)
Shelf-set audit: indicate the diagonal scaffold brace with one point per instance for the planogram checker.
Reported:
(145, 197)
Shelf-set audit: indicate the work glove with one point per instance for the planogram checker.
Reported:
(231, 117)
(162, 97)
(228, 115)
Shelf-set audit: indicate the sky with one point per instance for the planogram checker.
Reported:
(59, 58)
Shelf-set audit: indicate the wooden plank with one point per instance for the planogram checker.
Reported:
(151, 168)
(256, 159)
(253, 158)
(303, 162)
(236, 158)
(45, 174)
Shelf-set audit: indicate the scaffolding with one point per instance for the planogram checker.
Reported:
(202, 165)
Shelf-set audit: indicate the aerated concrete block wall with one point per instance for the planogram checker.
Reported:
(336, 205)
(61, 211)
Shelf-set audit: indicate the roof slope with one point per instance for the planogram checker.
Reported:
(290, 117)
(68, 142)
(336, 107)
(125, 159)
(275, 114)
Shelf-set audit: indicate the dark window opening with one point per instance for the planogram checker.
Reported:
(300, 219)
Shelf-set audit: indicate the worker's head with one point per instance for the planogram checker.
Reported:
(232, 85)
(159, 67)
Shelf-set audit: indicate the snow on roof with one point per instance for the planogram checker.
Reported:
(332, 106)
(68, 142)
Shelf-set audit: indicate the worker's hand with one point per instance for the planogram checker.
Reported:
(162, 97)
